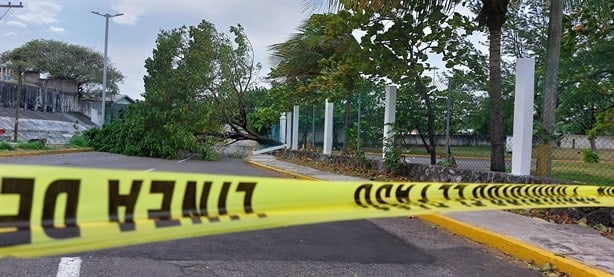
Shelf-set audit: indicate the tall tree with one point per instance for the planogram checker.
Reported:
(544, 163)
(492, 15)
(196, 88)
(66, 61)
(397, 47)
(586, 73)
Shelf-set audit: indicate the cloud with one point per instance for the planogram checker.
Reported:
(40, 12)
(131, 11)
(56, 29)
(16, 24)
(10, 34)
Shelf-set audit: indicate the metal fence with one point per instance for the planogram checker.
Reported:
(574, 158)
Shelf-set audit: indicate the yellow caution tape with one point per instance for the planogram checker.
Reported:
(54, 210)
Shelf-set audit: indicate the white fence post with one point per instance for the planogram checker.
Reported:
(288, 129)
(522, 141)
(389, 116)
(328, 128)
(282, 128)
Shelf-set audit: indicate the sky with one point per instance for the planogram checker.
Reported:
(132, 36)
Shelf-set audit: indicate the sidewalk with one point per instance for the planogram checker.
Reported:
(573, 249)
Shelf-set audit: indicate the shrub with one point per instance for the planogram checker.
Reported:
(77, 141)
(35, 145)
(392, 157)
(590, 156)
(6, 146)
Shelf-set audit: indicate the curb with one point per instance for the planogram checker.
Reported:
(505, 244)
(39, 153)
(512, 246)
(281, 171)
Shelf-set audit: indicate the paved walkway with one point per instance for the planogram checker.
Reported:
(573, 249)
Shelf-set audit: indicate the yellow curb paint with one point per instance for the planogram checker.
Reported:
(513, 246)
(48, 152)
(295, 175)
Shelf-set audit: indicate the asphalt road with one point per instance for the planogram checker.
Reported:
(382, 247)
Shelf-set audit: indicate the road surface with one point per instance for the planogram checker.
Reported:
(382, 247)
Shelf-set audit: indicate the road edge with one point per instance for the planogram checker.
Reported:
(47, 152)
(505, 244)
(513, 247)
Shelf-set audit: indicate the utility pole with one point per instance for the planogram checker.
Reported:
(9, 6)
(18, 100)
(104, 70)
(448, 119)
(17, 104)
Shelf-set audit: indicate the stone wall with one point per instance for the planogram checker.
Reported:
(430, 173)
(421, 172)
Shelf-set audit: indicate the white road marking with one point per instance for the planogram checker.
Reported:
(151, 169)
(183, 160)
(69, 267)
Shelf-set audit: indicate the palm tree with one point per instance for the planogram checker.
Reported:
(493, 15)
(323, 46)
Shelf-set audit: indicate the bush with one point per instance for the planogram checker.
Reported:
(6, 146)
(77, 141)
(590, 156)
(35, 145)
(392, 158)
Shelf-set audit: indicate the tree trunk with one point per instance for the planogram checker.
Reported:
(430, 119)
(347, 124)
(544, 165)
(593, 144)
(497, 141)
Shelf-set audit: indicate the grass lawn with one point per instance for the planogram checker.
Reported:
(567, 164)
(596, 173)
(25, 149)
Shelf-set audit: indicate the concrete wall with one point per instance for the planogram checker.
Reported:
(581, 142)
(455, 140)
(38, 98)
(56, 132)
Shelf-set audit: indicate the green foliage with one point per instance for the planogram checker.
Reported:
(65, 61)
(130, 136)
(6, 146)
(77, 141)
(207, 150)
(590, 156)
(392, 157)
(35, 145)
(262, 119)
(604, 124)
(447, 163)
(197, 82)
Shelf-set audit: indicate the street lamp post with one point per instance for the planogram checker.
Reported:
(104, 70)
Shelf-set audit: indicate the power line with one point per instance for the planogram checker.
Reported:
(9, 6)
(42, 25)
